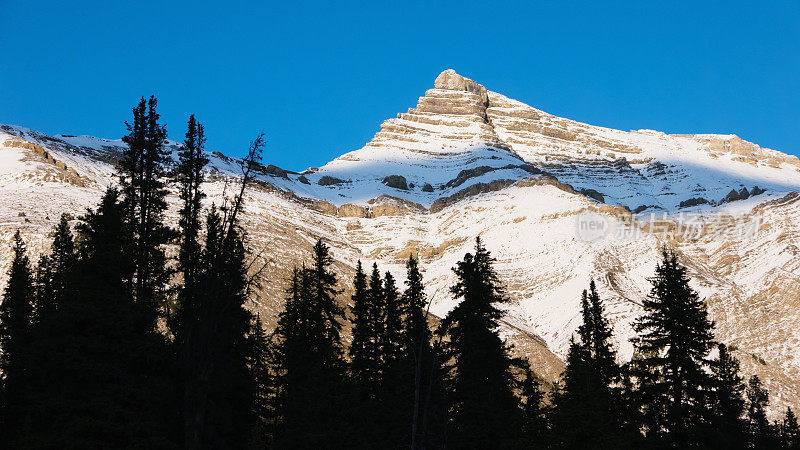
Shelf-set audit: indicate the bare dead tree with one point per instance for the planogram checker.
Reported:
(248, 164)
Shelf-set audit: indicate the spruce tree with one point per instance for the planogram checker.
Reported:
(54, 276)
(261, 373)
(16, 313)
(604, 366)
(484, 409)
(142, 173)
(674, 340)
(219, 397)
(728, 402)
(102, 378)
(417, 350)
(569, 398)
(588, 404)
(61, 262)
(759, 429)
(311, 377)
(364, 349)
(219, 392)
(377, 305)
(365, 359)
(397, 371)
(391, 339)
(533, 429)
(44, 303)
(790, 431)
(328, 324)
(189, 176)
(415, 323)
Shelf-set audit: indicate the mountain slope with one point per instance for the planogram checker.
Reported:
(466, 162)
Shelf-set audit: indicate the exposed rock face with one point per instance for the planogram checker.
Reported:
(456, 104)
(743, 150)
(387, 205)
(350, 210)
(64, 173)
(452, 81)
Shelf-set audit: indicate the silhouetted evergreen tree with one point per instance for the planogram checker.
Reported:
(311, 378)
(189, 177)
(16, 313)
(54, 272)
(54, 275)
(790, 431)
(391, 342)
(605, 369)
(674, 340)
(366, 362)
(759, 429)
(484, 409)
(397, 370)
(419, 361)
(364, 349)
(103, 378)
(220, 394)
(570, 398)
(728, 402)
(414, 302)
(262, 376)
(377, 316)
(588, 405)
(142, 173)
(533, 429)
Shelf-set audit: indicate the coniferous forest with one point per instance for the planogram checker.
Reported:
(112, 341)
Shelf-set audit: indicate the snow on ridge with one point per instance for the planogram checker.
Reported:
(530, 228)
(459, 126)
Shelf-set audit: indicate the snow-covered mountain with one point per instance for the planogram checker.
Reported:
(556, 201)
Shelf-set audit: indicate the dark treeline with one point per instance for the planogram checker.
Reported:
(108, 342)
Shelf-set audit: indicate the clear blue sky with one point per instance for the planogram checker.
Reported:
(319, 78)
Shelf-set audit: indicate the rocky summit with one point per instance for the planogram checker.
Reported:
(577, 201)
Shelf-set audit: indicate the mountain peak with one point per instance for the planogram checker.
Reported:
(450, 80)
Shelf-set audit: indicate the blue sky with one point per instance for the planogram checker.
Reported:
(320, 77)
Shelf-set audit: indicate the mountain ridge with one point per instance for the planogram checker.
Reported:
(520, 178)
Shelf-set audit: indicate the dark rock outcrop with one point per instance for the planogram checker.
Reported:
(275, 171)
(477, 188)
(693, 202)
(466, 174)
(593, 194)
(330, 181)
(733, 195)
(742, 194)
(396, 181)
